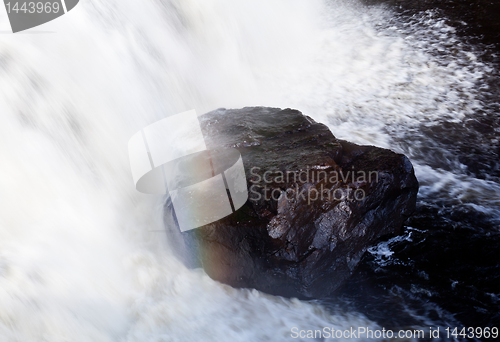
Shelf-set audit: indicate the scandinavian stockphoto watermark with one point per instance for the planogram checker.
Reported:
(170, 157)
(361, 333)
(25, 14)
(310, 184)
(367, 333)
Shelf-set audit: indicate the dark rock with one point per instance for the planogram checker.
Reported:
(306, 233)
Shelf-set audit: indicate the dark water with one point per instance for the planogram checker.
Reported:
(475, 20)
(445, 269)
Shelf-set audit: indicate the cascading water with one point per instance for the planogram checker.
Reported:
(82, 254)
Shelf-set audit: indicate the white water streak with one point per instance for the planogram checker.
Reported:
(79, 258)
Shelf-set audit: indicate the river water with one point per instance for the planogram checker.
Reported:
(83, 256)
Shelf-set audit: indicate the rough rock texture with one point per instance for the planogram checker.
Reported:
(305, 234)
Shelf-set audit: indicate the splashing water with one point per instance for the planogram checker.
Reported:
(82, 256)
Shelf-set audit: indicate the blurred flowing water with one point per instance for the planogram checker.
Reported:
(82, 254)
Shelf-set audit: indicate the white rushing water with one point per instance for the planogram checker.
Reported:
(82, 256)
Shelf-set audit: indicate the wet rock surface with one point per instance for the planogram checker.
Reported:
(315, 204)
